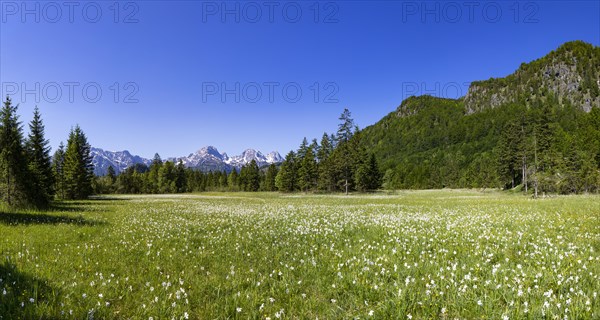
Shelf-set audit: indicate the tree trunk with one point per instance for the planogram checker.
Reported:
(535, 183)
(8, 187)
(525, 173)
(512, 183)
(346, 186)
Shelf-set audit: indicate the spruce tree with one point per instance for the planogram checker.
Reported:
(302, 149)
(78, 167)
(368, 176)
(510, 159)
(307, 171)
(286, 178)
(270, 178)
(325, 149)
(152, 180)
(343, 153)
(111, 174)
(223, 179)
(325, 173)
(233, 180)
(252, 176)
(180, 177)
(346, 127)
(166, 178)
(15, 180)
(40, 163)
(58, 161)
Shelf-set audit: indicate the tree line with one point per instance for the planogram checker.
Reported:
(337, 163)
(29, 176)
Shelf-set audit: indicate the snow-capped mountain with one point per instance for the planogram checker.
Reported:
(209, 158)
(274, 157)
(205, 159)
(250, 154)
(119, 160)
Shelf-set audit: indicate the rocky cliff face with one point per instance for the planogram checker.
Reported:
(570, 74)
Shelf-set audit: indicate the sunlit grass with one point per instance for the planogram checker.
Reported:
(419, 254)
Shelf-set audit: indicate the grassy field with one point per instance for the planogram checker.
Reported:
(423, 254)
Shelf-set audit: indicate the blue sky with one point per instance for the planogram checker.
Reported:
(178, 75)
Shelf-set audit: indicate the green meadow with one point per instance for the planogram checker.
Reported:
(441, 254)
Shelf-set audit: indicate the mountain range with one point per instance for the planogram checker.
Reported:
(205, 159)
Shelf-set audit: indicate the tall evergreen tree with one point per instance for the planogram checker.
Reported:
(58, 161)
(270, 178)
(314, 145)
(233, 180)
(346, 127)
(15, 180)
(111, 174)
(368, 176)
(180, 177)
(326, 180)
(510, 159)
(307, 171)
(40, 163)
(252, 178)
(325, 149)
(343, 153)
(223, 179)
(78, 167)
(302, 149)
(166, 178)
(286, 179)
(152, 178)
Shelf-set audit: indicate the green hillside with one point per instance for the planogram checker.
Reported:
(539, 125)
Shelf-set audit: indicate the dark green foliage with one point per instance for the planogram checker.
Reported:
(180, 178)
(250, 177)
(15, 179)
(551, 147)
(78, 168)
(286, 179)
(368, 177)
(270, 178)
(39, 161)
(166, 178)
(111, 174)
(307, 171)
(302, 149)
(326, 180)
(233, 180)
(58, 161)
(151, 185)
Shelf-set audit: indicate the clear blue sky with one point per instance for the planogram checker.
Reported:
(178, 56)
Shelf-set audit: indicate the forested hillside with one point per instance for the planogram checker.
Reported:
(538, 128)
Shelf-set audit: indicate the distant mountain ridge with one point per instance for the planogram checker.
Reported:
(206, 159)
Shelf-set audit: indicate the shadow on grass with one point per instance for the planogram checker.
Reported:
(108, 198)
(22, 294)
(10, 218)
